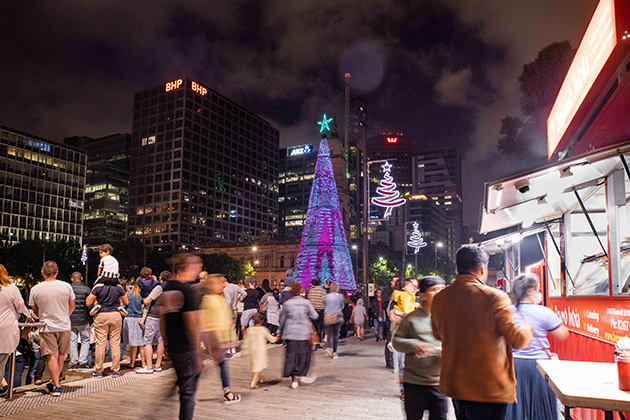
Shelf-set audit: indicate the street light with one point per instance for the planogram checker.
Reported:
(438, 245)
(356, 261)
(380, 258)
(47, 237)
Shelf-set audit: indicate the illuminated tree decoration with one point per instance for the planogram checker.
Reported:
(389, 196)
(324, 250)
(415, 240)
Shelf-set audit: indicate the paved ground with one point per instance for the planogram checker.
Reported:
(356, 385)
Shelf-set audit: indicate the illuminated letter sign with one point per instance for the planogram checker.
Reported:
(300, 150)
(199, 89)
(392, 139)
(389, 197)
(174, 85)
(598, 43)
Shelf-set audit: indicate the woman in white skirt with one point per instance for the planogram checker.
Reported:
(132, 332)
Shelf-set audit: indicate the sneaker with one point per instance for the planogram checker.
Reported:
(330, 352)
(335, 356)
(95, 310)
(122, 311)
(96, 374)
(73, 365)
(395, 371)
(83, 366)
(115, 374)
(48, 389)
(56, 392)
(144, 371)
(157, 369)
(390, 347)
(294, 385)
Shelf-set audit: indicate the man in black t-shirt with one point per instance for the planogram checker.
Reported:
(179, 320)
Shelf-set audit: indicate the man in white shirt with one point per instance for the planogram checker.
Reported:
(53, 302)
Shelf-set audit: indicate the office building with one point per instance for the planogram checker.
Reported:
(437, 175)
(297, 168)
(107, 187)
(202, 168)
(42, 186)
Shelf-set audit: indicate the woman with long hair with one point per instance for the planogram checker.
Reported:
(535, 399)
(132, 332)
(333, 318)
(11, 306)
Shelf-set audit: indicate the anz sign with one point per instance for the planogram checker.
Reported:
(304, 149)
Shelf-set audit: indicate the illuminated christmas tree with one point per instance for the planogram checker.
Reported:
(324, 250)
(415, 240)
(389, 196)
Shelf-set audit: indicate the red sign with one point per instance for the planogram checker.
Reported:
(392, 139)
(604, 318)
(598, 43)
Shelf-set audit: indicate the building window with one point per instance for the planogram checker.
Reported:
(282, 261)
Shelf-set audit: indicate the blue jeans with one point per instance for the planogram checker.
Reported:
(21, 362)
(377, 326)
(333, 335)
(184, 364)
(225, 376)
(79, 335)
(399, 365)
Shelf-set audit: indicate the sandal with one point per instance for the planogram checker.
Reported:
(231, 398)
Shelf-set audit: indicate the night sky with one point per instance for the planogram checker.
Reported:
(443, 72)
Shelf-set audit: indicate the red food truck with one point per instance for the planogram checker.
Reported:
(569, 221)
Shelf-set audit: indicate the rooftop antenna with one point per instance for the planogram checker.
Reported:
(347, 126)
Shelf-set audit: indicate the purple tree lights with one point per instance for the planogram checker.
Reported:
(324, 250)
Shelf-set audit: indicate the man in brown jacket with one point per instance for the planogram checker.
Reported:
(475, 325)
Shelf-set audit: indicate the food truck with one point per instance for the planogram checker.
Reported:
(569, 220)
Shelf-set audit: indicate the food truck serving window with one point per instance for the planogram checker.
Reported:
(619, 202)
(586, 261)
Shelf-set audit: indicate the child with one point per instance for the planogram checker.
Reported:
(107, 275)
(405, 304)
(146, 281)
(405, 299)
(358, 318)
(255, 343)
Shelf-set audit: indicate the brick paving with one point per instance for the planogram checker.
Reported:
(356, 385)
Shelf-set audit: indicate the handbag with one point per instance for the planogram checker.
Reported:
(313, 339)
(332, 318)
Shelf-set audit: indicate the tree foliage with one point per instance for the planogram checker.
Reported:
(233, 269)
(539, 84)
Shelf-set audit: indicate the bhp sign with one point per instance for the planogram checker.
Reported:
(598, 43)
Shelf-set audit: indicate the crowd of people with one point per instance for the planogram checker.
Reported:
(466, 341)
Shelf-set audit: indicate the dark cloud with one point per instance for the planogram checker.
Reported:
(442, 72)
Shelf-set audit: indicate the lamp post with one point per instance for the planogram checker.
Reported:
(355, 248)
(44, 259)
(437, 245)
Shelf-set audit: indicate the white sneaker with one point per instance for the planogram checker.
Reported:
(96, 309)
(294, 385)
(144, 371)
(157, 369)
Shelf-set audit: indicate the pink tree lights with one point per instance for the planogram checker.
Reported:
(389, 196)
(324, 250)
(416, 240)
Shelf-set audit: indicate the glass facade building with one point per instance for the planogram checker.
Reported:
(203, 168)
(438, 175)
(42, 187)
(107, 188)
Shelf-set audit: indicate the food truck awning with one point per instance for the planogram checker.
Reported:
(501, 243)
(546, 193)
